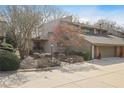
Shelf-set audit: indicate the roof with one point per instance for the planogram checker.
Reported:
(86, 26)
(94, 27)
(104, 40)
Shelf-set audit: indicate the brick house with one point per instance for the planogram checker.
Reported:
(42, 42)
(100, 44)
(97, 41)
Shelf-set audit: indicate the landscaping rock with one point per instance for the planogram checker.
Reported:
(28, 63)
(55, 62)
(46, 62)
(61, 57)
(47, 54)
(74, 59)
(44, 55)
(36, 55)
(42, 62)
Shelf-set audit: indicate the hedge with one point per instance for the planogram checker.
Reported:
(8, 61)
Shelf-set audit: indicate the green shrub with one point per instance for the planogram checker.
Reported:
(75, 53)
(10, 39)
(7, 46)
(86, 56)
(8, 61)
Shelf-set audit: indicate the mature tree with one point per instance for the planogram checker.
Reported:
(25, 22)
(106, 24)
(22, 20)
(49, 13)
(52, 13)
(75, 18)
(109, 25)
(67, 36)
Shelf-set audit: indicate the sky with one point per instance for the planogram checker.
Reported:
(92, 13)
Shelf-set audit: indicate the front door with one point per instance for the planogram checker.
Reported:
(38, 47)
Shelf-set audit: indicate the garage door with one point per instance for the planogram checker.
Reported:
(107, 51)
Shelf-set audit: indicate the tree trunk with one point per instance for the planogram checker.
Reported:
(22, 53)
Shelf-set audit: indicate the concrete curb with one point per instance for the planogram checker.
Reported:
(42, 69)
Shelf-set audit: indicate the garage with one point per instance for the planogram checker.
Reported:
(107, 51)
(105, 46)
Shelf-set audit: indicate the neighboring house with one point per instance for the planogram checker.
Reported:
(98, 42)
(2, 29)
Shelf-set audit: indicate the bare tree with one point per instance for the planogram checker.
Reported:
(67, 36)
(75, 18)
(52, 13)
(109, 25)
(49, 13)
(103, 23)
(22, 20)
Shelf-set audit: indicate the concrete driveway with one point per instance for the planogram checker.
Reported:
(104, 73)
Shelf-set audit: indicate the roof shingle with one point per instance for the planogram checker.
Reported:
(104, 40)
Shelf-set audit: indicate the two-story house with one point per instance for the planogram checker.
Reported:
(42, 42)
(97, 41)
(100, 44)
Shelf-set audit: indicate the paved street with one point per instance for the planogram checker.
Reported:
(96, 74)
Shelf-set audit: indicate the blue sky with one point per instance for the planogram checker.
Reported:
(92, 13)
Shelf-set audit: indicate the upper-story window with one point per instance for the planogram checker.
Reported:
(94, 31)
